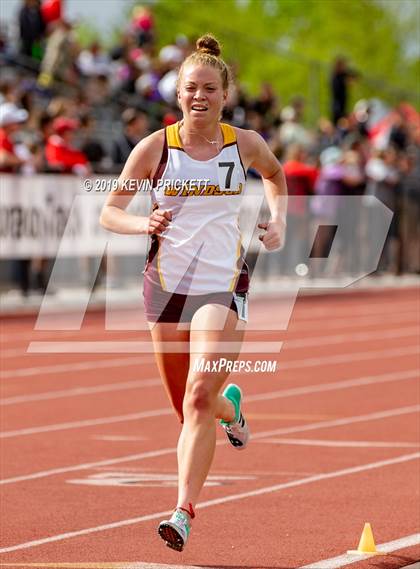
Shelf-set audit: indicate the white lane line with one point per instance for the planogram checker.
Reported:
(255, 436)
(215, 502)
(88, 465)
(106, 565)
(328, 321)
(87, 423)
(131, 345)
(358, 310)
(351, 321)
(79, 366)
(343, 560)
(365, 380)
(398, 376)
(146, 347)
(336, 385)
(76, 391)
(327, 309)
(341, 444)
(350, 337)
(339, 422)
(131, 361)
(353, 357)
(137, 347)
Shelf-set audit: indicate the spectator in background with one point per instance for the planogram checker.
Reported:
(93, 61)
(361, 116)
(30, 152)
(11, 119)
(298, 104)
(399, 136)
(58, 60)
(62, 106)
(170, 58)
(45, 130)
(325, 204)
(32, 273)
(234, 110)
(349, 215)
(410, 168)
(98, 94)
(383, 179)
(383, 176)
(135, 124)
(340, 78)
(91, 146)
(354, 181)
(8, 92)
(300, 178)
(266, 104)
(142, 25)
(291, 131)
(326, 135)
(60, 152)
(32, 29)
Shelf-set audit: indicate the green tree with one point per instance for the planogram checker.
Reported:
(292, 43)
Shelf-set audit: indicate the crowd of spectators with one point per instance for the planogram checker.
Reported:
(64, 109)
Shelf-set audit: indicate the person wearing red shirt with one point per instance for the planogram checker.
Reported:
(60, 153)
(11, 120)
(11, 117)
(300, 178)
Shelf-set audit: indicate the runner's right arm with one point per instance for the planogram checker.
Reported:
(141, 165)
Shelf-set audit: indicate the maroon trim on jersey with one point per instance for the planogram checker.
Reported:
(240, 159)
(176, 148)
(242, 284)
(229, 144)
(154, 244)
(239, 154)
(162, 163)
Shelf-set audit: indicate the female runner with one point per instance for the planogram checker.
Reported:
(195, 280)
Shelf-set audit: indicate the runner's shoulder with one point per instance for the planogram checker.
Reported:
(151, 143)
(247, 136)
(250, 144)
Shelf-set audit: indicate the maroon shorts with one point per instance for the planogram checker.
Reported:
(163, 306)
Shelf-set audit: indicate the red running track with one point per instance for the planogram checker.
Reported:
(88, 446)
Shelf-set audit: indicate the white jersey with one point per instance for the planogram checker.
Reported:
(200, 252)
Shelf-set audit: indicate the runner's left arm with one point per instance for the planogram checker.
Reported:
(275, 189)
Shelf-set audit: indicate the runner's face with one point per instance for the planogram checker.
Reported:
(200, 94)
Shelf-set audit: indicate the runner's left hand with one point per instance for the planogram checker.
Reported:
(273, 238)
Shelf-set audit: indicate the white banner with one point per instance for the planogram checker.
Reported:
(58, 216)
(41, 215)
(46, 215)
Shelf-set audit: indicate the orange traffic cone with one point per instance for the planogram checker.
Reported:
(366, 543)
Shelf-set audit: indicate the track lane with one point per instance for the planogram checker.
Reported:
(339, 487)
(405, 427)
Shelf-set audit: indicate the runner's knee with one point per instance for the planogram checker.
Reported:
(199, 398)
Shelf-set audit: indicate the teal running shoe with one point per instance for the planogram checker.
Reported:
(237, 430)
